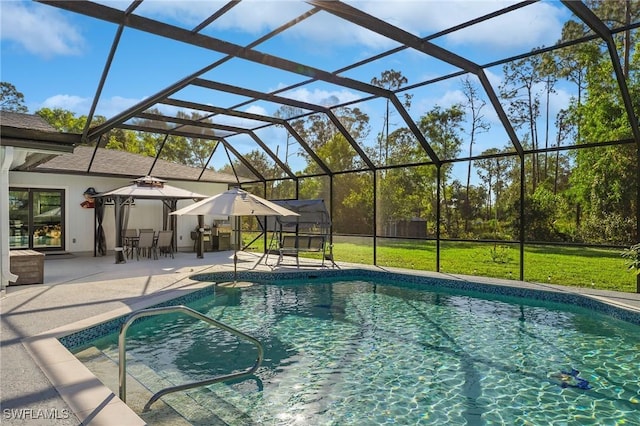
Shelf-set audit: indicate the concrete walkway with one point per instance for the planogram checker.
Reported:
(76, 288)
(82, 287)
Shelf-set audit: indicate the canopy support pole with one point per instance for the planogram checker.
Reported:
(118, 249)
(200, 242)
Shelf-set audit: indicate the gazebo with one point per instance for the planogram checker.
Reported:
(146, 187)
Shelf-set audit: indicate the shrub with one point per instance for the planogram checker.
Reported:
(500, 253)
(633, 256)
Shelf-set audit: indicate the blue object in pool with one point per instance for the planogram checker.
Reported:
(570, 379)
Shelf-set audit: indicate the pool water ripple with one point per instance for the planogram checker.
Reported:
(363, 353)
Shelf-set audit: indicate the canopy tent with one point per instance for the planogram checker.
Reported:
(149, 188)
(313, 222)
(313, 217)
(234, 202)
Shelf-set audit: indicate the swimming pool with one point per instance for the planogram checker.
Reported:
(386, 349)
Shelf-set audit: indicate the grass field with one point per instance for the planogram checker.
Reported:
(584, 267)
(576, 266)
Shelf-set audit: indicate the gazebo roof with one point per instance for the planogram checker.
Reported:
(148, 187)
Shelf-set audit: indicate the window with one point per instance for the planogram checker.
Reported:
(36, 219)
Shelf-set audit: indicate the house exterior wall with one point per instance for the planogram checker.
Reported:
(79, 221)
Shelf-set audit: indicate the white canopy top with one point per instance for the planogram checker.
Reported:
(235, 202)
(152, 188)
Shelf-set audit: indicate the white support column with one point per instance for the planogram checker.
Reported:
(6, 158)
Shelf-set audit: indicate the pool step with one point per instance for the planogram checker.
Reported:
(199, 406)
(299, 395)
(229, 403)
(181, 402)
(203, 410)
(174, 409)
(106, 370)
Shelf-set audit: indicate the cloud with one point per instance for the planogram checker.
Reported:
(185, 12)
(115, 105)
(67, 102)
(259, 16)
(533, 25)
(250, 17)
(560, 99)
(39, 29)
(241, 122)
(494, 79)
(321, 97)
(324, 30)
(80, 106)
(256, 109)
(45, 31)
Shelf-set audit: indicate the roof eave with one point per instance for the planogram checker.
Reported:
(38, 140)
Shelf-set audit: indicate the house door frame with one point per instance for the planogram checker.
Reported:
(37, 219)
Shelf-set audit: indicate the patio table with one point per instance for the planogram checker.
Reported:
(132, 244)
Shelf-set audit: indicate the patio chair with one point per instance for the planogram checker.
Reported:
(289, 247)
(146, 245)
(316, 244)
(129, 240)
(164, 244)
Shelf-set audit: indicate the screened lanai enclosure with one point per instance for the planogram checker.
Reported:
(503, 133)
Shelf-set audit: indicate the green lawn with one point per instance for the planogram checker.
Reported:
(576, 266)
(585, 267)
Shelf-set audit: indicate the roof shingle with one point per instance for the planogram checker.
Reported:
(109, 162)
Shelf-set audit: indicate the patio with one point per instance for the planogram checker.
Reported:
(79, 289)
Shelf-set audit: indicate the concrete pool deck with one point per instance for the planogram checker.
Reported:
(41, 382)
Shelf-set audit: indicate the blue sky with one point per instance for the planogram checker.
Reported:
(55, 58)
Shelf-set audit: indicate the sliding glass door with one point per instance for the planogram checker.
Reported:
(36, 219)
(18, 218)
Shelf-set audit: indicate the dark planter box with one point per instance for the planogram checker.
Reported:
(28, 265)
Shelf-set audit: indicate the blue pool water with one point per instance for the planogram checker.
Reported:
(364, 353)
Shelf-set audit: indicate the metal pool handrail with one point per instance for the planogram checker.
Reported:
(122, 348)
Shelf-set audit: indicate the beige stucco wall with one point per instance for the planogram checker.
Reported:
(79, 222)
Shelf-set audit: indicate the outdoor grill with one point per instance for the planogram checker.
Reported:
(206, 238)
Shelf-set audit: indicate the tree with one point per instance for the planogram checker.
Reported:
(317, 129)
(604, 178)
(405, 192)
(573, 62)
(539, 216)
(257, 159)
(494, 172)
(391, 80)
(66, 121)
(486, 170)
(478, 125)
(442, 128)
(548, 74)
(191, 151)
(130, 141)
(564, 132)
(519, 88)
(352, 196)
(63, 120)
(332, 147)
(11, 99)
(617, 14)
(287, 112)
